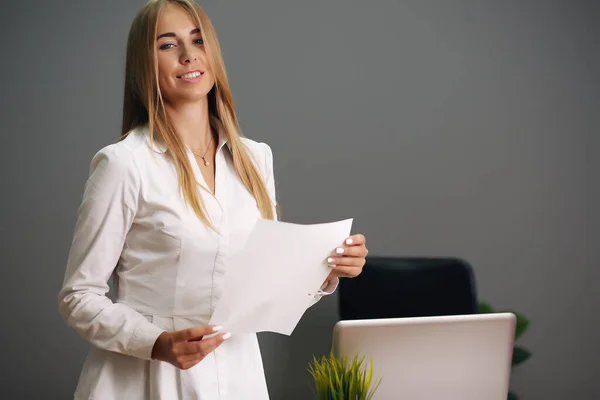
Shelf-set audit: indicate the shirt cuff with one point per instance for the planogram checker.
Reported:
(329, 286)
(143, 339)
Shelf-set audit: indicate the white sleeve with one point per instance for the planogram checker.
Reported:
(103, 220)
(329, 286)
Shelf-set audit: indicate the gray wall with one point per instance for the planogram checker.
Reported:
(460, 128)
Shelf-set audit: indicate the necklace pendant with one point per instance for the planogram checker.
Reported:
(206, 162)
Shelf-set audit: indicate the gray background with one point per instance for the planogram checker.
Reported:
(460, 128)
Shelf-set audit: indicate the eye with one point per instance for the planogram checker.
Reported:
(199, 41)
(166, 46)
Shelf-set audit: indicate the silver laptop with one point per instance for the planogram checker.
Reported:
(465, 357)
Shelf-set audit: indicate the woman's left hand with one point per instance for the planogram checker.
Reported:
(350, 258)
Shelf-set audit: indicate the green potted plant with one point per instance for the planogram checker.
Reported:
(520, 353)
(343, 379)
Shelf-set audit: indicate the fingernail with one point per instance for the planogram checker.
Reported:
(330, 260)
(348, 241)
(226, 336)
(217, 328)
(339, 250)
(332, 266)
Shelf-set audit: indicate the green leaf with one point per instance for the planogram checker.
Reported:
(512, 396)
(485, 308)
(520, 354)
(342, 379)
(522, 324)
(522, 321)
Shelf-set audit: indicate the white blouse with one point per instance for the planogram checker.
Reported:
(133, 224)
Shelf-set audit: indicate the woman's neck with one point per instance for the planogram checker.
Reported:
(192, 124)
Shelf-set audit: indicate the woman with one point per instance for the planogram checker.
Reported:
(157, 211)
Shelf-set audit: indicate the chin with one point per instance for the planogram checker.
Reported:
(197, 96)
(186, 96)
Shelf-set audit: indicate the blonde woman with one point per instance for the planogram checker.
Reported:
(157, 211)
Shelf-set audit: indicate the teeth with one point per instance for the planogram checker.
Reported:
(191, 75)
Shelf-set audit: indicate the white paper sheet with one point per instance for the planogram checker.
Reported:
(273, 279)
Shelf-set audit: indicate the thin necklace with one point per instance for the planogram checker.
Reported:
(204, 156)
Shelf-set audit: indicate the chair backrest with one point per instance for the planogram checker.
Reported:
(399, 287)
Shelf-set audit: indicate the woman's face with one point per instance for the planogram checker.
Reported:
(184, 74)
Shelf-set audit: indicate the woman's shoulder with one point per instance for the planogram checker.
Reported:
(261, 152)
(120, 156)
(255, 146)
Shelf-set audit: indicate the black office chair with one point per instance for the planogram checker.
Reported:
(392, 287)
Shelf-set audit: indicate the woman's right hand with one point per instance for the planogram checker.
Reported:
(186, 348)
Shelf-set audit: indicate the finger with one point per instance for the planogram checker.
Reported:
(190, 364)
(356, 240)
(348, 272)
(203, 348)
(346, 261)
(189, 360)
(189, 350)
(352, 251)
(332, 275)
(207, 345)
(194, 333)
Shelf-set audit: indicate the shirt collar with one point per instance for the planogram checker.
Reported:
(160, 147)
(217, 125)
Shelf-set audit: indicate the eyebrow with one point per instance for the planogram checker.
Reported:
(171, 34)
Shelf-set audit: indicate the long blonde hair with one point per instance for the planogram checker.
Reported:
(143, 104)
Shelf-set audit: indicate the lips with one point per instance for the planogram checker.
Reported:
(191, 75)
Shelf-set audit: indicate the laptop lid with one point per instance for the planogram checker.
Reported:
(462, 357)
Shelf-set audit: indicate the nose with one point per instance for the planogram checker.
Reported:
(187, 56)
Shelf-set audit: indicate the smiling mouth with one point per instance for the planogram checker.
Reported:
(191, 75)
